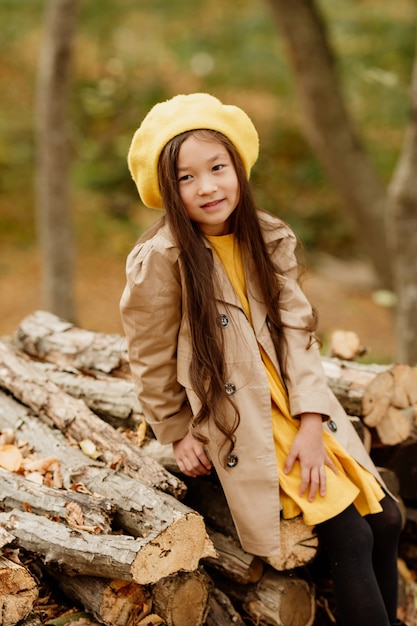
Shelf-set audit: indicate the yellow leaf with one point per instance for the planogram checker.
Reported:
(141, 433)
(89, 448)
(10, 457)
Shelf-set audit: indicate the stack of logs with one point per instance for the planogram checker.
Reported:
(101, 505)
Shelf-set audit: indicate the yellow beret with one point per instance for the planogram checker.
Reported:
(175, 116)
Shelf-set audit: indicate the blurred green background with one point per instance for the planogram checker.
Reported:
(132, 53)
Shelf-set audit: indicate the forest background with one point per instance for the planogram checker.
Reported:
(131, 54)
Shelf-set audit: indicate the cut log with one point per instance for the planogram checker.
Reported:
(146, 513)
(79, 423)
(281, 600)
(221, 611)
(232, 561)
(113, 399)
(182, 600)
(346, 345)
(18, 592)
(108, 556)
(348, 381)
(78, 510)
(390, 404)
(278, 599)
(115, 602)
(138, 509)
(45, 336)
(299, 545)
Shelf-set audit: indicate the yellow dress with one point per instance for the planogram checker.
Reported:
(352, 483)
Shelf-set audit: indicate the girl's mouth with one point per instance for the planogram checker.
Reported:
(211, 205)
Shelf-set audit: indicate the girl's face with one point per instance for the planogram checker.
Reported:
(208, 184)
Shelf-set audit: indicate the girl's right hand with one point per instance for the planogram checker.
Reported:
(191, 457)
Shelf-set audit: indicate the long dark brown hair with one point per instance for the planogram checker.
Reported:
(207, 369)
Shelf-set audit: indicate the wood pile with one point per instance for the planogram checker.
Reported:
(92, 502)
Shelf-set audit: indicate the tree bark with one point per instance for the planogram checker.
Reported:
(221, 611)
(78, 510)
(180, 600)
(402, 228)
(18, 592)
(48, 337)
(115, 602)
(78, 423)
(53, 205)
(277, 599)
(140, 560)
(329, 128)
(113, 399)
(232, 561)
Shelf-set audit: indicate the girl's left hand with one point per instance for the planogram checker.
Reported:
(191, 457)
(308, 448)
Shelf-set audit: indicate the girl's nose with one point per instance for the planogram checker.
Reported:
(206, 186)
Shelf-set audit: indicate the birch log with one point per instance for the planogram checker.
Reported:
(110, 556)
(78, 422)
(50, 338)
(111, 398)
(76, 509)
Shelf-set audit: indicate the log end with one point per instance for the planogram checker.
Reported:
(179, 548)
(298, 545)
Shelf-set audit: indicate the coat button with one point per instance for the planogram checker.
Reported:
(230, 388)
(223, 320)
(232, 460)
(332, 426)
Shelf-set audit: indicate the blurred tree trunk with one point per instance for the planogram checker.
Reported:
(53, 154)
(402, 229)
(386, 221)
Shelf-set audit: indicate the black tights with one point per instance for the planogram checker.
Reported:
(362, 555)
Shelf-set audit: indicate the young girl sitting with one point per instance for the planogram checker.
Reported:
(227, 367)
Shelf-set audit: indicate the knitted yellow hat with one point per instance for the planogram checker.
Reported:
(173, 117)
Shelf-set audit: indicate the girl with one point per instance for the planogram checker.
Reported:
(227, 367)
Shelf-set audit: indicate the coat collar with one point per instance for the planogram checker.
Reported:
(273, 230)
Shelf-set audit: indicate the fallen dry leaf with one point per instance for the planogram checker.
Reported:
(75, 514)
(39, 465)
(89, 448)
(141, 433)
(10, 457)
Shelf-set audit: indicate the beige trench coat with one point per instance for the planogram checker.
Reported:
(160, 352)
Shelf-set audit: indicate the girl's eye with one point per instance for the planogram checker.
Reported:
(184, 178)
(218, 167)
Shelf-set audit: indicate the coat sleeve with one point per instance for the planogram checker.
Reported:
(151, 315)
(302, 366)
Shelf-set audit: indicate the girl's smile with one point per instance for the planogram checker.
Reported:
(208, 184)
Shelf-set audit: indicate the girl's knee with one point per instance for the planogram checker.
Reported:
(391, 518)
